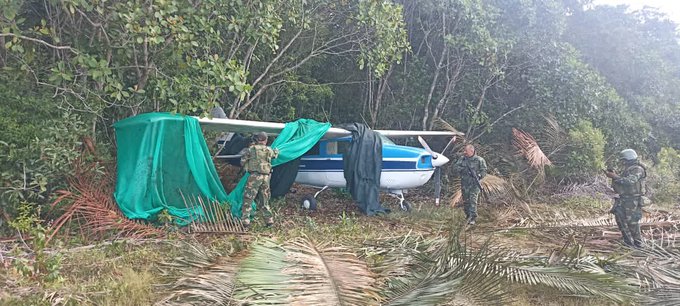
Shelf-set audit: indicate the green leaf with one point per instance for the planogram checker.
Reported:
(9, 12)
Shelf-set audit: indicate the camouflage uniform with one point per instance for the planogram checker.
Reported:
(468, 183)
(257, 160)
(627, 207)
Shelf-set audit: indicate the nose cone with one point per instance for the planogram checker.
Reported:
(439, 160)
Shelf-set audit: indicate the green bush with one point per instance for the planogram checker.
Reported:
(585, 153)
(42, 265)
(664, 179)
(38, 144)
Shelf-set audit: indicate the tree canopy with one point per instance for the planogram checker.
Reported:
(482, 66)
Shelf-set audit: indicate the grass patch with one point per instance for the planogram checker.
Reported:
(129, 288)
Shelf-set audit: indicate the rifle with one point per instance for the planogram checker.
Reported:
(616, 208)
(474, 175)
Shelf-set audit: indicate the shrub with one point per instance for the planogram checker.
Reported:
(38, 144)
(664, 179)
(584, 155)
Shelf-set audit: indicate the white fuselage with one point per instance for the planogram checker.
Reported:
(403, 167)
(391, 179)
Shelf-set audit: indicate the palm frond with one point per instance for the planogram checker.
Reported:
(206, 277)
(481, 276)
(665, 297)
(567, 220)
(429, 287)
(214, 286)
(570, 270)
(665, 250)
(410, 270)
(435, 271)
(298, 272)
(583, 282)
(89, 202)
(494, 185)
(597, 187)
(458, 194)
(208, 216)
(555, 138)
(441, 123)
(334, 273)
(262, 278)
(301, 272)
(457, 198)
(527, 147)
(481, 283)
(409, 274)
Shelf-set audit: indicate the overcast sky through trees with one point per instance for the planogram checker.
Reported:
(669, 7)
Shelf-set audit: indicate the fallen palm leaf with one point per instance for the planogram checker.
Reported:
(439, 271)
(307, 273)
(210, 217)
(90, 203)
(555, 136)
(441, 123)
(494, 185)
(201, 269)
(568, 221)
(419, 271)
(527, 147)
(597, 187)
(298, 272)
(491, 186)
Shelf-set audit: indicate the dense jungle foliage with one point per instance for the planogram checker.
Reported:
(603, 78)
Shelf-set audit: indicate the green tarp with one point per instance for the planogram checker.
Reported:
(163, 157)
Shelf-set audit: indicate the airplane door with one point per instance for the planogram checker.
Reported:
(333, 162)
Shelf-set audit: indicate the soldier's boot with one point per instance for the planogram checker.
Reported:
(627, 238)
(637, 239)
(471, 217)
(627, 241)
(635, 233)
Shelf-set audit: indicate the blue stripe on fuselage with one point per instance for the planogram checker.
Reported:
(398, 158)
(337, 164)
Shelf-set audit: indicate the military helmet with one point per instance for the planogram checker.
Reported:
(628, 154)
(261, 136)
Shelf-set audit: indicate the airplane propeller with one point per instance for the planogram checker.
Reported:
(438, 160)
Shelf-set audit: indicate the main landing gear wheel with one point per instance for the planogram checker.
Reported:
(405, 206)
(309, 202)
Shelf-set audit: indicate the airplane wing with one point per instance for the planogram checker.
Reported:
(248, 126)
(400, 133)
(274, 128)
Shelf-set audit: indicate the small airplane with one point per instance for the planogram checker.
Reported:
(403, 167)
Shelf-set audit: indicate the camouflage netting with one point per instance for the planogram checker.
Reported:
(163, 158)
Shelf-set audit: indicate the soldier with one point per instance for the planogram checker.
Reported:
(471, 169)
(257, 160)
(627, 207)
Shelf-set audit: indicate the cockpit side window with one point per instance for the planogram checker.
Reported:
(337, 147)
(331, 148)
(314, 150)
(343, 147)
